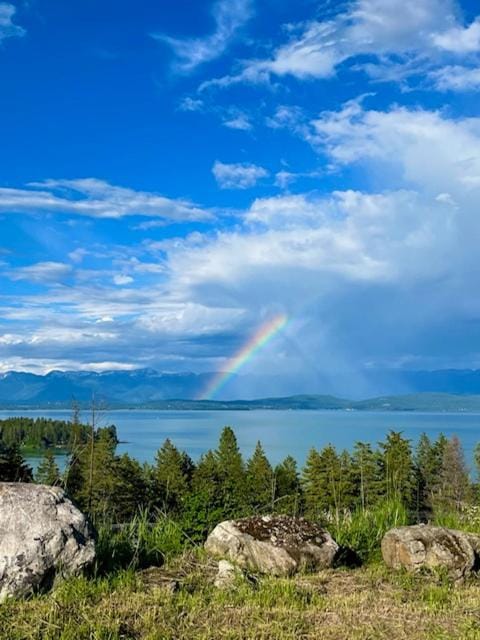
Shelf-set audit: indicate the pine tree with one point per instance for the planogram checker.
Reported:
(172, 474)
(288, 491)
(13, 467)
(48, 471)
(327, 482)
(260, 481)
(130, 494)
(203, 508)
(428, 466)
(397, 468)
(91, 476)
(312, 485)
(365, 475)
(231, 474)
(455, 484)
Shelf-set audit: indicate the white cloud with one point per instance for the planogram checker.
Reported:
(121, 279)
(229, 17)
(404, 36)
(237, 176)
(456, 78)
(96, 199)
(7, 28)
(459, 39)
(42, 272)
(418, 147)
(239, 121)
(191, 104)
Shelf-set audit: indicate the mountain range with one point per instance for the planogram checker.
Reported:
(408, 390)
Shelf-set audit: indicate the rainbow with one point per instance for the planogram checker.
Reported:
(260, 338)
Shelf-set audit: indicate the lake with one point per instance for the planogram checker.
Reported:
(281, 432)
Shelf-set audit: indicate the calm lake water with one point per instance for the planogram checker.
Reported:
(281, 432)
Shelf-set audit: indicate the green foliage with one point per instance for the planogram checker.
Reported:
(366, 474)
(138, 543)
(363, 530)
(327, 482)
(13, 467)
(231, 475)
(428, 467)
(260, 482)
(41, 433)
(397, 468)
(171, 475)
(288, 489)
(455, 485)
(48, 471)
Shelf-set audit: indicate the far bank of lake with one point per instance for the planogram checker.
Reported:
(142, 432)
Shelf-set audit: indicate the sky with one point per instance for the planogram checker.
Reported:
(175, 175)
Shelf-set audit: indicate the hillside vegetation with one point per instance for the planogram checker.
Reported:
(159, 515)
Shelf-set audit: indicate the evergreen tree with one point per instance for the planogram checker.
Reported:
(312, 485)
(428, 466)
(48, 471)
(397, 467)
(90, 479)
(172, 474)
(13, 467)
(260, 481)
(455, 484)
(203, 508)
(327, 480)
(288, 491)
(365, 475)
(231, 474)
(130, 489)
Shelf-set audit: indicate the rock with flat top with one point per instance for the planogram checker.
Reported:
(275, 545)
(43, 538)
(427, 547)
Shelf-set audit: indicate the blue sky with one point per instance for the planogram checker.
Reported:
(175, 174)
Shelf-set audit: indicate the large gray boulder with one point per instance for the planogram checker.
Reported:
(427, 547)
(275, 545)
(43, 538)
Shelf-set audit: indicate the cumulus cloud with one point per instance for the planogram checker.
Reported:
(420, 147)
(8, 29)
(237, 175)
(403, 36)
(96, 199)
(229, 17)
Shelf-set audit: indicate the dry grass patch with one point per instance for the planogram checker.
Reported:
(361, 604)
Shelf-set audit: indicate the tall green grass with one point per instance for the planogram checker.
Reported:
(137, 544)
(362, 531)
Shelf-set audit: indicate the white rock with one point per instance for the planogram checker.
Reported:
(276, 545)
(43, 538)
(227, 575)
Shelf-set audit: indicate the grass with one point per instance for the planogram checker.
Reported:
(366, 603)
(122, 600)
(140, 543)
(362, 531)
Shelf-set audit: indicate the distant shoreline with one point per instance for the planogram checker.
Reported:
(420, 403)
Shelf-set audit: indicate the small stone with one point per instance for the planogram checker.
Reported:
(226, 576)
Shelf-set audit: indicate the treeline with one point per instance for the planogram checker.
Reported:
(430, 479)
(42, 433)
